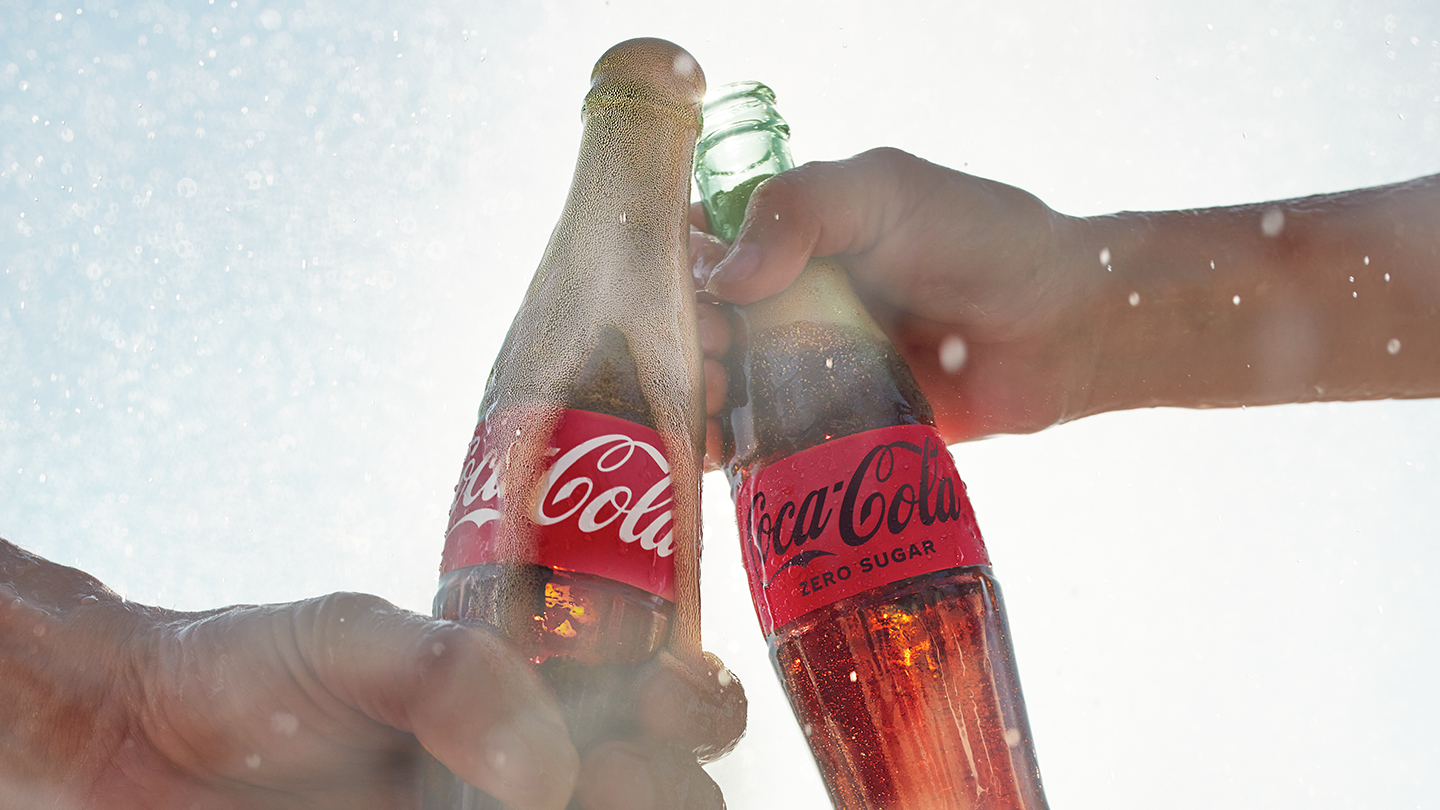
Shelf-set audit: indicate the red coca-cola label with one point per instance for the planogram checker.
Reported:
(605, 505)
(852, 514)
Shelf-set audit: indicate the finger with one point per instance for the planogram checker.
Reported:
(706, 251)
(698, 220)
(714, 326)
(619, 775)
(716, 383)
(701, 708)
(714, 451)
(463, 692)
(819, 209)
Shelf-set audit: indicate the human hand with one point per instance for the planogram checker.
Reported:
(321, 703)
(968, 277)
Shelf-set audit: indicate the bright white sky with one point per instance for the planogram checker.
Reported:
(257, 258)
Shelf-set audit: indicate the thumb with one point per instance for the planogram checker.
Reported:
(464, 693)
(819, 209)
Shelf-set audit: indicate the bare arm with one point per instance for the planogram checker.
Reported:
(1331, 297)
(1048, 331)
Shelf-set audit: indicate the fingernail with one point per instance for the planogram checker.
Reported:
(531, 752)
(705, 253)
(741, 264)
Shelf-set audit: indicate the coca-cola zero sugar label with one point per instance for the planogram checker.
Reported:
(604, 506)
(852, 514)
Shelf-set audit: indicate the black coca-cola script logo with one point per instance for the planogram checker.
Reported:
(878, 501)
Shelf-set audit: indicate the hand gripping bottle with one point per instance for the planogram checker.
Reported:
(575, 525)
(867, 569)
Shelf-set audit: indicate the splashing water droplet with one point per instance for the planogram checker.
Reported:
(1134, 299)
(953, 353)
(853, 676)
(1367, 261)
(284, 723)
(252, 761)
(1393, 346)
(1236, 300)
(1272, 222)
(1105, 256)
(1387, 276)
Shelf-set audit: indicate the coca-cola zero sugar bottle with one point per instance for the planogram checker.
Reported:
(574, 528)
(867, 569)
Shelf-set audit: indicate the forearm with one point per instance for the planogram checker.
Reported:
(1333, 297)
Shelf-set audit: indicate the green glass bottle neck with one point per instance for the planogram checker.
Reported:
(745, 141)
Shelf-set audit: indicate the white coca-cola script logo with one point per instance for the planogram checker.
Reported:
(592, 485)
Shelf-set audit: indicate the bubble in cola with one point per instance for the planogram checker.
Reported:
(868, 571)
(575, 525)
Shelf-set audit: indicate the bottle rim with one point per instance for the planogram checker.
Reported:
(739, 107)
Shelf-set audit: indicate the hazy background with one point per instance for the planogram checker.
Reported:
(258, 256)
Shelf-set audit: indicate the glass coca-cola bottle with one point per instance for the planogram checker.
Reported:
(574, 528)
(866, 566)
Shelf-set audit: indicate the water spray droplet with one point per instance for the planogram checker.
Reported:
(1105, 256)
(953, 353)
(1134, 299)
(1393, 346)
(1272, 222)
(284, 723)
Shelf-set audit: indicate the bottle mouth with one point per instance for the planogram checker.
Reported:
(739, 107)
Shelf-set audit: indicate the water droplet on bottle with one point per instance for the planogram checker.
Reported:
(1012, 737)
(1393, 346)
(1134, 299)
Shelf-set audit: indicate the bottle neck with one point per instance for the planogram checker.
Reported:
(745, 142)
(815, 366)
(584, 321)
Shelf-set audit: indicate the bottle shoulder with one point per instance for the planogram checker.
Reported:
(801, 384)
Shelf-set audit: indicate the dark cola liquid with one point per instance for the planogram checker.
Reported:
(907, 693)
(804, 383)
(909, 698)
(588, 636)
